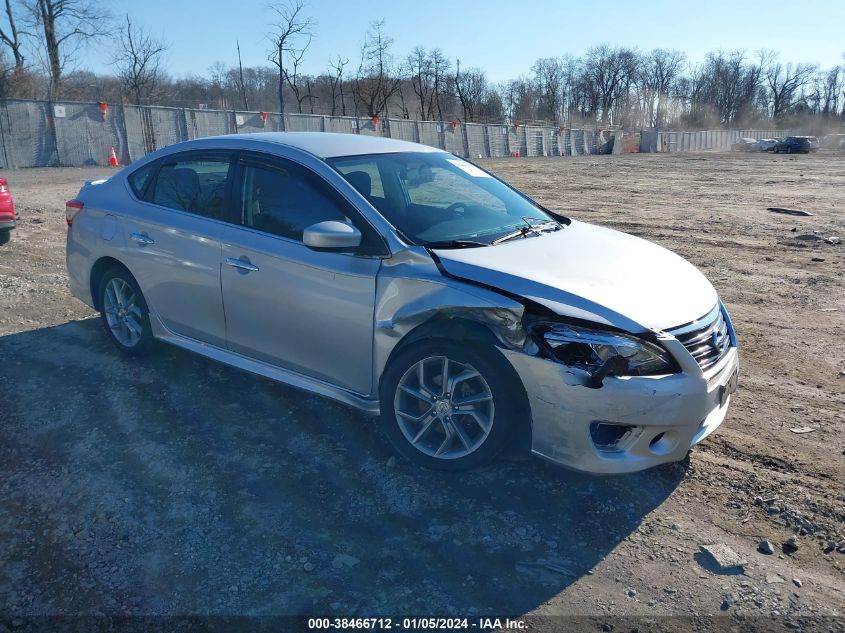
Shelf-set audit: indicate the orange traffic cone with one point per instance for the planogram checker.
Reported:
(113, 162)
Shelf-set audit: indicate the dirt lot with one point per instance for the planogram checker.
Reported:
(174, 485)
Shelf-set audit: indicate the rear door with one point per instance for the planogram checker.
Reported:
(172, 242)
(286, 304)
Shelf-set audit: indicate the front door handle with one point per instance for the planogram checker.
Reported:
(142, 238)
(242, 264)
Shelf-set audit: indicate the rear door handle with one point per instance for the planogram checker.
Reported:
(242, 264)
(142, 238)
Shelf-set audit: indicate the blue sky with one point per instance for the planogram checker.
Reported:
(503, 37)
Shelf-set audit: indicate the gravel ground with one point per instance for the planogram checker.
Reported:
(174, 485)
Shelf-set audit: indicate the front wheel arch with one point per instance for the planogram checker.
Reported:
(517, 443)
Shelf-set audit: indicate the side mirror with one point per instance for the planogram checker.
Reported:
(332, 236)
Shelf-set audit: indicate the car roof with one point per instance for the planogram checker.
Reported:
(330, 144)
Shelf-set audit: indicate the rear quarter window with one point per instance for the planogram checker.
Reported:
(139, 178)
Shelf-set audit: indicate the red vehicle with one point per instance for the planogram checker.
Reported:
(7, 212)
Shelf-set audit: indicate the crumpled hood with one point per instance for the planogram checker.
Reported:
(591, 272)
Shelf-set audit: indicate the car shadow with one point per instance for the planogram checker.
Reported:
(173, 484)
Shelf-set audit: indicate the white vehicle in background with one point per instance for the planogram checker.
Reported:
(765, 145)
(833, 141)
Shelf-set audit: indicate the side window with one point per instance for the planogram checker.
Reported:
(285, 198)
(364, 176)
(139, 178)
(196, 184)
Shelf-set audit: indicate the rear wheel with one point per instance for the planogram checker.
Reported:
(5, 236)
(449, 406)
(124, 312)
(788, 149)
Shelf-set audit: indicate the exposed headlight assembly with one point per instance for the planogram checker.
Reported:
(602, 353)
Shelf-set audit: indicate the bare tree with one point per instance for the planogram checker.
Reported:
(138, 61)
(67, 26)
(784, 82)
(472, 89)
(299, 84)
(336, 82)
(610, 70)
(12, 38)
(658, 72)
(440, 67)
(377, 81)
(421, 73)
(217, 84)
(549, 75)
(290, 29)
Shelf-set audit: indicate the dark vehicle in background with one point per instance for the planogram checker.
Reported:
(7, 212)
(796, 144)
(744, 145)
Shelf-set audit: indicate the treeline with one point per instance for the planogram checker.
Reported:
(606, 85)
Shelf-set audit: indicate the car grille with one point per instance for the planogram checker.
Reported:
(707, 339)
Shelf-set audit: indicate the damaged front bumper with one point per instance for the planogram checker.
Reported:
(632, 422)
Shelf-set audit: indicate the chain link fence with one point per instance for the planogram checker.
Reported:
(72, 134)
(704, 140)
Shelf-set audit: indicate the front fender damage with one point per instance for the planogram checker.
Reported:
(412, 292)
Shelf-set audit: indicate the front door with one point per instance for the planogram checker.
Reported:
(286, 304)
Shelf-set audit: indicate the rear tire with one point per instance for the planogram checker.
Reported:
(789, 150)
(462, 426)
(5, 236)
(124, 312)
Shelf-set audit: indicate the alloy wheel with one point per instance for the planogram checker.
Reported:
(444, 408)
(123, 313)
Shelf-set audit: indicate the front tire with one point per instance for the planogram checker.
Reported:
(124, 312)
(450, 406)
(5, 236)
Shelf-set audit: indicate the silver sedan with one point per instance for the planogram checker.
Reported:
(413, 285)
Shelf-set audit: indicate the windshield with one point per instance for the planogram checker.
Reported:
(440, 199)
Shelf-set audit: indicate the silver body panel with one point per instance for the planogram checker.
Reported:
(328, 322)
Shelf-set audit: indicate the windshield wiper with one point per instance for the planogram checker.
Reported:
(456, 244)
(543, 225)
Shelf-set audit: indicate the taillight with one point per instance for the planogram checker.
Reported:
(72, 207)
(4, 186)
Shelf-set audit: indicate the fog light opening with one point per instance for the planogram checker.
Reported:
(663, 443)
(610, 437)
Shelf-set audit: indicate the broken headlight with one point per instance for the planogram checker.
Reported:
(591, 350)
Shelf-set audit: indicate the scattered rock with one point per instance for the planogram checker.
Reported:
(818, 259)
(308, 567)
(727, 561)
(774, 579)
(729, 601)
(391, 462)
(797, 582)
(791, 545)
(631, 593)
(766, 547)
(788, 211)
(833, 239)
(800, 430)
(344, 560)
